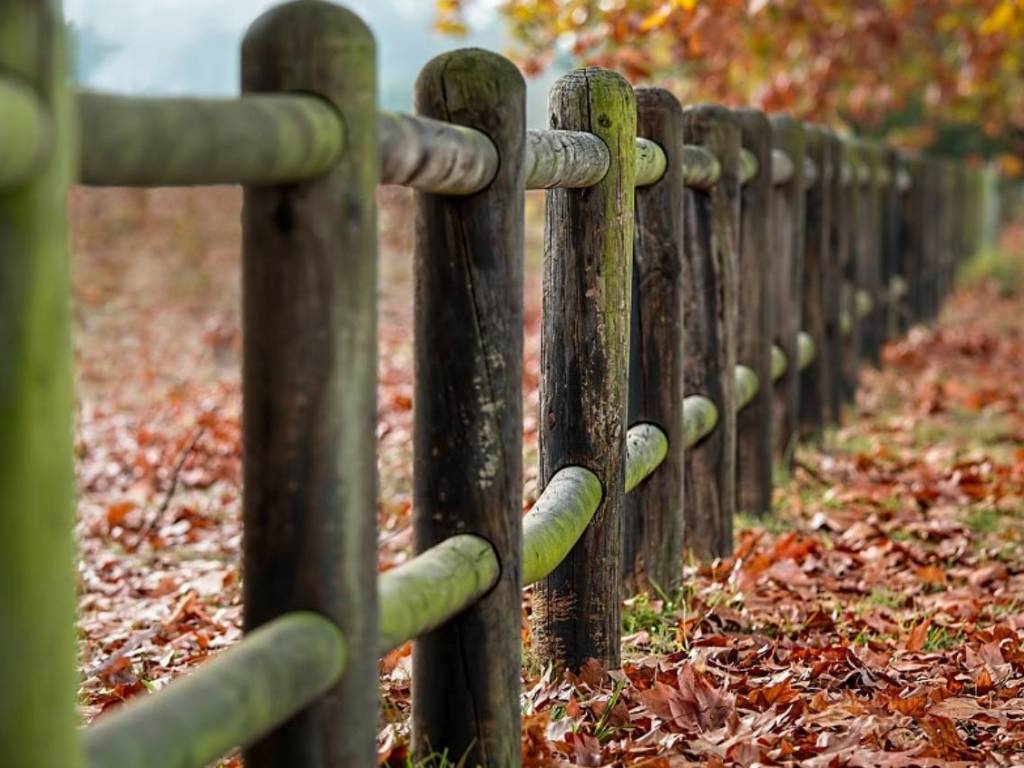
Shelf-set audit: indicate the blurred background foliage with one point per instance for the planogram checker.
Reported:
(928, 74)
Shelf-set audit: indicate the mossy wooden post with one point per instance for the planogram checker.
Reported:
(831, 347)
(814, 380)
(588, 254)
(653, 531)
(933, 241)
(711, 222)
(468, 474)
(788, 249)
(755, 312)
(309, 285)
(38, 719)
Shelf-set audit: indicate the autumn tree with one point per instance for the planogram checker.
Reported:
(923, 73)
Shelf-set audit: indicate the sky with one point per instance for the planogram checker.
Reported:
(191, 46)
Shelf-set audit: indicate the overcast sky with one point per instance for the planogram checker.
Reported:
(191, 46)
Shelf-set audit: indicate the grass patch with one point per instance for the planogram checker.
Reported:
(984, 521)
(773, 523)
(995, 265)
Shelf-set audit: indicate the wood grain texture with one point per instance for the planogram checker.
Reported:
(711, 236)
(814, 379)
(851, 224)
(787, 253)
(467, 437)
(584, 361)
(869, 255)
(653, 528)
(309, 282)
(38, 718)
(755, 312)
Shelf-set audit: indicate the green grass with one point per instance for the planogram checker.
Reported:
(984, 521)
(942, 639)
(996, 265)
(773, 523)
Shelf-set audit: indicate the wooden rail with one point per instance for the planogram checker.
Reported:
(788, 254)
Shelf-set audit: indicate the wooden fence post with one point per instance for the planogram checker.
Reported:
(870, 254)
(851, 218)
(755, 313)
(711, 222)
(815, 379)
(788, 136)
(468, 472)
(309, 285)
(832, 291)
(653, 534)
(892, 256)
(38, 720)
(588, 254)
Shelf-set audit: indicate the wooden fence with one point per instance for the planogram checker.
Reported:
(713, 278)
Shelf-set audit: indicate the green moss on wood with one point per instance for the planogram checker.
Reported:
(229, 701)
(255, 139)
(749, 166)
(747, 386)
(700, 417)
(650, 162)
(38, 721)
(646, 449)
(24, 132)
(780, 363)
(426, 591)
(557, 520)
(806, 350)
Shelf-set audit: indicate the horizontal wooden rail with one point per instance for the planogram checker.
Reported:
(227, 702)
(780, 364)
(864, 303)
(782, 167)
(576, 159)
(434, 155)
(254, 139)
(701, 168)
(24, 131)
(426, 591)
(748, 165)
(747, 386)
(700, 417)
(806, 350)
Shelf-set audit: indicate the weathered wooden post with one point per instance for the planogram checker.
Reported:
(895, 259)
(38, 721)
(653, 534)
(588, 253)
(468, 473)
(869, 264)
(832, 287)
(309, 285)
(788, 137)
(711, 222)
(755, 312)
(852, 217)
(912, 231)
(815, 379)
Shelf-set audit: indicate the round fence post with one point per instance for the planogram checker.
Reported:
(711, 222)
(653, 533)
(468, 474)
(815, 379)
(788, 214)
(309, 286)
(38, 719)
(755, 313)
(588, 254)
(913, 237)
(832, 288)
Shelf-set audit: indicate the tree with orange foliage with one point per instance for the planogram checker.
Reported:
(923, 73)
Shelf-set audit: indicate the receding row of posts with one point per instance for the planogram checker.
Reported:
(713, 281)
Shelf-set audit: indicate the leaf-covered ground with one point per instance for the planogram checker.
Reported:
(876, 620)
